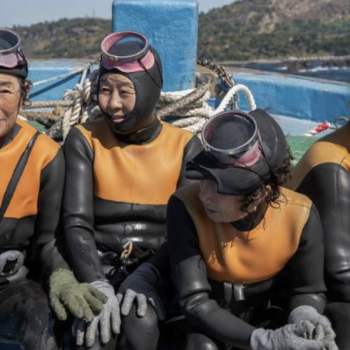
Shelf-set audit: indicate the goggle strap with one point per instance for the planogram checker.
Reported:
(146, 70)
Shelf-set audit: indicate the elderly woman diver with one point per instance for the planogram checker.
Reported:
(246, 253)
(121, 172)
(31, 188)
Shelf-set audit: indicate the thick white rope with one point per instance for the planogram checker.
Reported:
(198, 126)
(234, 91)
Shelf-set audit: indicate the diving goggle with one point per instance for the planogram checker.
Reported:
(10, 52)
(127, 51)
(244, 155)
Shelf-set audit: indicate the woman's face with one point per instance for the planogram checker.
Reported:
(117, 97)
(10, 101)
(220, 207)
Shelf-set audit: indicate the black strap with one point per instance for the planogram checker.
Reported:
(17, 174)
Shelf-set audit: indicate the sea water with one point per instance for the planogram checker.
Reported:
(299, 145)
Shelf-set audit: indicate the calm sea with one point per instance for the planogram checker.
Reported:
(312, 69)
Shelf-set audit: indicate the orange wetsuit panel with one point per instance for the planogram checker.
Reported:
(25, 199)
(248, 257)
(333, 148)
(142, 174)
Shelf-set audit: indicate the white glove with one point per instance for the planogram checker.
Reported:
(108, 319)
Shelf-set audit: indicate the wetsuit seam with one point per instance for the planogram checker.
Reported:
(49, 163)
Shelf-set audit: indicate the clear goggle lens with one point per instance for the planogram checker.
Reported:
(10, 53)
(242, 153)
(125, 51)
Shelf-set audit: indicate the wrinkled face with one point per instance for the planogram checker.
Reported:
(220, 207)
(10, 101)
(117, 98)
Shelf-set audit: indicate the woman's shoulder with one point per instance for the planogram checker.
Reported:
(176, 131)
(292, 198)
(46, 143)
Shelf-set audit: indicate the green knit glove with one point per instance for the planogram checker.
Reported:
(82, 300)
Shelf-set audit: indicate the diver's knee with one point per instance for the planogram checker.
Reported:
(200, 342)
(339, 315)
(145, 327)
(133, 321)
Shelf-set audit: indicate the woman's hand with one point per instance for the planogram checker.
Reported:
(141, 286)
(300, 336)
(308, 313)
(82, 300)
(108, 320)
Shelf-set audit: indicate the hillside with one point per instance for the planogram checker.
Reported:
(275, 28)
(248, 29)
(74, 38)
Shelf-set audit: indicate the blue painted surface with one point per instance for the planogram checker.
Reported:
(54, 90)
(302, 98)
(171, 26)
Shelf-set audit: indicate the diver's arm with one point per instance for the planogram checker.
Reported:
(161, 259)
(78, 211)
(192, 148)
(192, 285)
(306, 267)
(48, 240)
(328, 186)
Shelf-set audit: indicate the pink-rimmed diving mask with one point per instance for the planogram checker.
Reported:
(239, 149)
(126, 51)
(10, 53)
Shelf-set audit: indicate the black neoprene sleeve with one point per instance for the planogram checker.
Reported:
(328, 186)
(193, 147)
(78, 210)
(48, 239)
(305, 268)
(161, 259)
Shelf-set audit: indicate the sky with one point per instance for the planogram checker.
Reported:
(26, 12)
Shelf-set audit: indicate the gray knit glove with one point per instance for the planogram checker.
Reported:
(108, 319)
(141, 286)
(308, 313)
(300, 336)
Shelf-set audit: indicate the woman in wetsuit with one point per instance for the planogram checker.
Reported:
(31, 188)
(121, 171)
(247, 254)
(323, 174)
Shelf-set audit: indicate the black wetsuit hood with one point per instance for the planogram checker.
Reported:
(142, 119)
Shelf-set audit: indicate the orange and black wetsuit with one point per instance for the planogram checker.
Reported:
(280, 254)
(29, 226)
(117, 191)
(323, 174)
